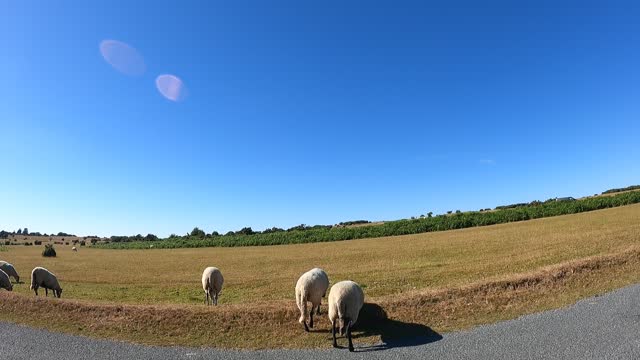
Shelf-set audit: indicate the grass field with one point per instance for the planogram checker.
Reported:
(444, 280)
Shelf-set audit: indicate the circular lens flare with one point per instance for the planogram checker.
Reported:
(122, 57)
(171, 87)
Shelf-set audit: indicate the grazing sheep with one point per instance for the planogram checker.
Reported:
(41, 277)
(345, 301)
(5, 283)
(212, 284)
(10, 270)
(311, 286)
(74, 249)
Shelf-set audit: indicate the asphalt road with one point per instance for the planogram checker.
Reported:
(605, 327)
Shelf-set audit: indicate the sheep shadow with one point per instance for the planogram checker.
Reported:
(373, 321)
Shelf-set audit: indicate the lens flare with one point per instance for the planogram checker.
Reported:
(122, 57)
(171, 87)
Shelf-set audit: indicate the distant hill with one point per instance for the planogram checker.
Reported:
(451, 221)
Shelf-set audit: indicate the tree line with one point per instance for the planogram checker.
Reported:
(5, 234)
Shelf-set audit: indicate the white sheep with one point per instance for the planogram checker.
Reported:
(212, 281)
(345, 301)
(5, 283)
(41, 277)
(74, 248)
(10, 270)
(311, 286)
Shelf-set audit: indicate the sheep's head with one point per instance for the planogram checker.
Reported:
(10, 287)
(17, 279)
(58, 293)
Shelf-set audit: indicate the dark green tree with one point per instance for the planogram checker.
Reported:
(245, 231)
(196, 232)
(150, 237)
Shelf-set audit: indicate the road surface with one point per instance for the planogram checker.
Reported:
(604, 327)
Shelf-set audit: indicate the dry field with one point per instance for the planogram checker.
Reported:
(443, 281)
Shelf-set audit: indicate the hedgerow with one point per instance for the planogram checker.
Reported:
(534, 210)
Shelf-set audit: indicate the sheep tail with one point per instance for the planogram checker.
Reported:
(302, 305)
(208, 287)
(33, 280)
(342, 310)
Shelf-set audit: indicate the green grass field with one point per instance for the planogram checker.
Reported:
(390, 269)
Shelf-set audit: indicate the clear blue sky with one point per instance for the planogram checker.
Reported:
(310, 113)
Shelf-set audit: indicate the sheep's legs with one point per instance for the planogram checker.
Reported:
(318, 310)
(215, 299)
(306, 328)
(46, 292)
(36, 291)
(206, 298)
(349, 336)
(333, 332)
(311, 318)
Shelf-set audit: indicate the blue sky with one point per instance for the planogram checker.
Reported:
(310, 113)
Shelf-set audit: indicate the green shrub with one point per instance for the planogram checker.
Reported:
(49, 251)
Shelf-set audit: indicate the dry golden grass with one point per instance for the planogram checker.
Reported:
(273, 324)
(446, 280)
